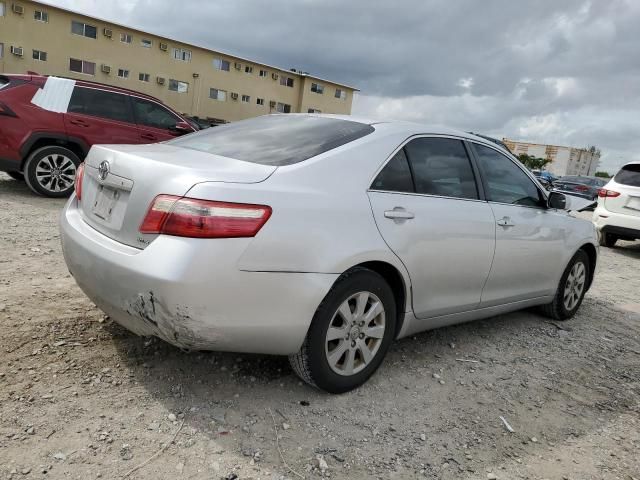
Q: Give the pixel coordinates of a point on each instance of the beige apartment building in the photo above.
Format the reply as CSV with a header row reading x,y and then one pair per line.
x,y
49,40
564,160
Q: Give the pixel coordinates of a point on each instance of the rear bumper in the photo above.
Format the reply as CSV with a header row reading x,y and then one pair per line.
x,y
627,226
189,292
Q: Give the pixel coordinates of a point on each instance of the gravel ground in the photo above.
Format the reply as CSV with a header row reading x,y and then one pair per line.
x,y
82,398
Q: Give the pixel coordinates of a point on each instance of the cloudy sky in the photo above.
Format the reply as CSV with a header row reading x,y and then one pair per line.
x,y
564,72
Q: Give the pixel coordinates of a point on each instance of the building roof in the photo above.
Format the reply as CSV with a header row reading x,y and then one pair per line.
x,y
286,70
507,140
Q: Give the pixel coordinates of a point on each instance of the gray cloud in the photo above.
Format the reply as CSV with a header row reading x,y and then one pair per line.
x,y
544,71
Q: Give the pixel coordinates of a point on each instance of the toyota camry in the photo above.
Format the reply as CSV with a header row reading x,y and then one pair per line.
x,y
322,238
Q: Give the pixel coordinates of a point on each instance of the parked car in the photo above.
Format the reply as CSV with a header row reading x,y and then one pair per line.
x,y
45,147
617,216
545,178
321,238
581,186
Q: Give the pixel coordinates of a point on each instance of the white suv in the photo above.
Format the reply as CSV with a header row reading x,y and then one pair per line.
x,y
617,216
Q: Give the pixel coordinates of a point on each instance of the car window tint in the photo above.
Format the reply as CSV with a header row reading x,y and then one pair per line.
x,y
395,176
276,140
506,182
100,103
441,167
629,175
152,114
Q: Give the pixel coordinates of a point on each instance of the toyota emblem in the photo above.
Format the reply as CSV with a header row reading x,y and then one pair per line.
x,y
103,170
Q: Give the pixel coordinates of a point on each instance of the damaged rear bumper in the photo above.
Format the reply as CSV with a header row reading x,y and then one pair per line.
x,y
190,292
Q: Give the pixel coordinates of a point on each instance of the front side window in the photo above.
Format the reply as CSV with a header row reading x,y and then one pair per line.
x,y
629,175
40,55
154,115
286,81
83,29
100,103
40,16
317,88
505,181
220,64
178,86
82,66
218,94
441,167
395,176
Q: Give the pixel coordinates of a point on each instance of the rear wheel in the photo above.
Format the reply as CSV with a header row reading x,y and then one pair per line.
x,y
608,239
350,333
571,290
16,175
50,171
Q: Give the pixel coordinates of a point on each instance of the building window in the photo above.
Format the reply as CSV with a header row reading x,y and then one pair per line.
x,y
248,69
1,9
313,110
317,88
40,55
287,81
178,86
220,64
217,94
143,77
260,101
39,16
246,98
1,50
341,94
146,43
83,29
283,108
123,73
82,66
126,38
263,73
182,54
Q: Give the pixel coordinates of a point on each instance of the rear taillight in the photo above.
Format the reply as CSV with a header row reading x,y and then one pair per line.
x,y
581,188
77,182
603,193
5,110
191,217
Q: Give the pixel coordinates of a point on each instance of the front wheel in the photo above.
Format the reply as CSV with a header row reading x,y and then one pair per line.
x,y
571,290
350,333
51,171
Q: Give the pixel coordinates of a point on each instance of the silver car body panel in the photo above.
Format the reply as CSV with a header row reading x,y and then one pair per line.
x,y
260,294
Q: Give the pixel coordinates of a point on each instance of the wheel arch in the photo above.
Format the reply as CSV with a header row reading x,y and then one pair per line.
x,y
592,253
45,139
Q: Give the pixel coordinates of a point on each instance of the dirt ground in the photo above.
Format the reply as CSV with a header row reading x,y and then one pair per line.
x,y
81,398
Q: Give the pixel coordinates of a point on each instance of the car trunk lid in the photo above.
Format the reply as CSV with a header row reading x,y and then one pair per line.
x,y
121,181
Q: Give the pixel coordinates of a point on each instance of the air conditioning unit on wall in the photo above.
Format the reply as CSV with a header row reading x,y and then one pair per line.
x,y
237,65
18,9
234,96
274,76
163,46
107,32
18,51
160,80
105,69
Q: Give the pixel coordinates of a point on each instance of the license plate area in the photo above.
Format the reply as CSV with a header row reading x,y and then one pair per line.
x,y
634,203
105,202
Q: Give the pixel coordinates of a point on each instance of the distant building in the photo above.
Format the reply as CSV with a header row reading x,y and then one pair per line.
x,y
198,81
564,160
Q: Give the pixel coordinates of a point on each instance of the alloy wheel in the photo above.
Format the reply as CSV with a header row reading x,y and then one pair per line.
x,y
355,333
55,172
574,286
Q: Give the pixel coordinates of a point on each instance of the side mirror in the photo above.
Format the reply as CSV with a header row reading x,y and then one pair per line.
x,y
181,127
557,200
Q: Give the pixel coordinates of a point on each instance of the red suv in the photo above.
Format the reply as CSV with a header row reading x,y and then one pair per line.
x,y
45,147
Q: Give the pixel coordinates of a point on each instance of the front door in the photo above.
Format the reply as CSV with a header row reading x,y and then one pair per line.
x,y
426,205
529,236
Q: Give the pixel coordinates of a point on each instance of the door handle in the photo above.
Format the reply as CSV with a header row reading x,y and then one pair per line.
x,y
505,222
79,123
148,136
398,213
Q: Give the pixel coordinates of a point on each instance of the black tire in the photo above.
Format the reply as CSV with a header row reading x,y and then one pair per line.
x,y
557,309
58,187
16,176
311,363
608,240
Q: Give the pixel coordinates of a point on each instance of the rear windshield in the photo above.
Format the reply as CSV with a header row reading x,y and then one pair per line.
x,y
629,175
276,140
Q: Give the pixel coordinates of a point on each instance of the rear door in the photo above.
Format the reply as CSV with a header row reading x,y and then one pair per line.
x,y
428,209
156,123
627,184
100,116
530,238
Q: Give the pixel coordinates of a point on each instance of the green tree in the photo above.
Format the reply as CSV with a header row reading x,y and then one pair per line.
x,y
603,174
533,163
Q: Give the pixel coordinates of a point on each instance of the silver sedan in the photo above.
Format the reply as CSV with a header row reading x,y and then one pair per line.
x,y
323,238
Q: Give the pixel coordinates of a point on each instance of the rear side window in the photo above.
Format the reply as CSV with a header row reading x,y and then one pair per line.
x,y
395,176
100,103
441,167
276,140
629,175
151,114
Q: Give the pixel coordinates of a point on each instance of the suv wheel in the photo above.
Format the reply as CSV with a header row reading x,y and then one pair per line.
x,y
350,333
50,171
